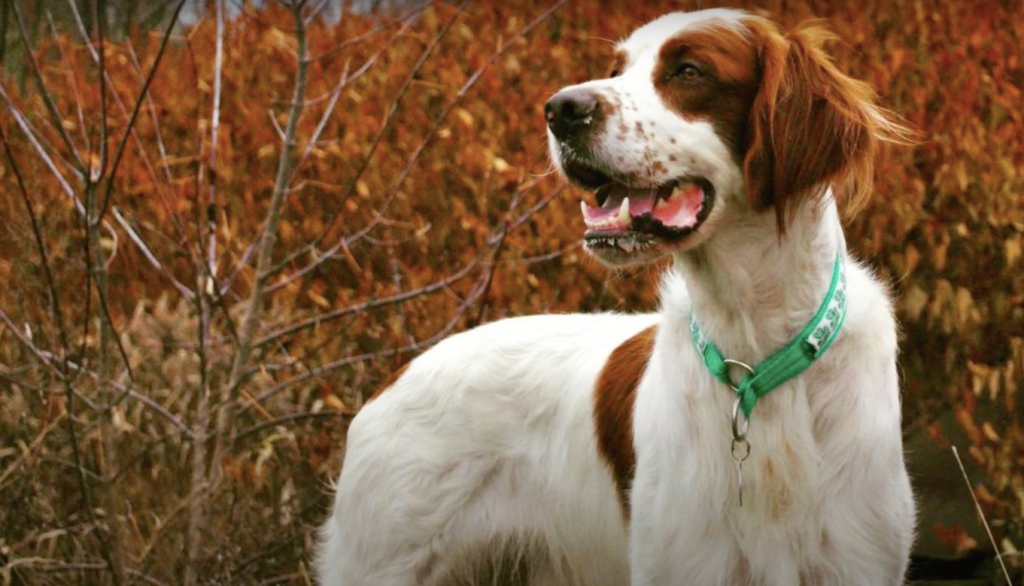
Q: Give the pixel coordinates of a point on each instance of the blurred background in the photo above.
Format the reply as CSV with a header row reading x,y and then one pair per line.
x,y
224,223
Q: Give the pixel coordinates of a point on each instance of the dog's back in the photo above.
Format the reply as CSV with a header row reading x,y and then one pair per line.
x,y
479,465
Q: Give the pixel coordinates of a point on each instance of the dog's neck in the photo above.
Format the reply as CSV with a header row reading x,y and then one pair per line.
x,y
752,291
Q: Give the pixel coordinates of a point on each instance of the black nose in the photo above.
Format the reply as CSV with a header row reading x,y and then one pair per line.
x,y
570,112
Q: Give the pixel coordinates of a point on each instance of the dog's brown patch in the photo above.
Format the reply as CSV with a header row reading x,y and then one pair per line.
x,y
614,397
391,380
725,90
793,119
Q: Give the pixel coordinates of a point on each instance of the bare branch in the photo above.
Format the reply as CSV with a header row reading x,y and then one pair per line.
x,y
129,392
318,371
411,163
277,127
315,11
218,73
369,304
375,142
37,233
55,310
324,118
206,285
148,253
73,82
157,130
135,111
94,174
26,128
402,19
284,419
51,106
541,258
269,236
134,132
26,452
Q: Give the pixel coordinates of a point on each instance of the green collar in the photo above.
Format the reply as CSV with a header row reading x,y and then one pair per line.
x,y
790,361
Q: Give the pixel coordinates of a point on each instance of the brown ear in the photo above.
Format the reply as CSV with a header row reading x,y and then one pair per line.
x,y
810,124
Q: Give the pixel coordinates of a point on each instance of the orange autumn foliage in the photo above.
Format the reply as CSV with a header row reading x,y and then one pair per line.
x,y
457,197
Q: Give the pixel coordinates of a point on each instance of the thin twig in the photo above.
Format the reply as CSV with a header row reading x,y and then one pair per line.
x,y
163,522
266,247
148,253
369,304
37,233
51,106
475,293
26,128
110,540
72,81
431,132
374,143
205,286
981,515
48,565
315,11
161,147
119,152
368,356
541,258
490,274
126,391
134,130
27,451
55,310
48,359
401,19
218,74
324,118
291,418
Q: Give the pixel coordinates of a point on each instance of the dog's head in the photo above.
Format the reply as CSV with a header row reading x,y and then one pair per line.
x,y
706,119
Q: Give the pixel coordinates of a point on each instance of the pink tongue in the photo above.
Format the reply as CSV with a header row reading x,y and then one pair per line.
x,y
681,211
607,216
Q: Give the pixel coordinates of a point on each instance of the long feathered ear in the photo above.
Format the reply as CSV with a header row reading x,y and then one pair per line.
x,y
810,125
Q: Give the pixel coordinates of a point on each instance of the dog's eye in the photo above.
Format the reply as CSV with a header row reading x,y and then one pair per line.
x,y
687,72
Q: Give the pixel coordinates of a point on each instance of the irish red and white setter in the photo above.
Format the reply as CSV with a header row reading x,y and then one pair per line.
x,y
593,450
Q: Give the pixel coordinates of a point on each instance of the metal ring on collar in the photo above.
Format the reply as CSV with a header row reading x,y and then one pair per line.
x,y
743,365
740,450
739,433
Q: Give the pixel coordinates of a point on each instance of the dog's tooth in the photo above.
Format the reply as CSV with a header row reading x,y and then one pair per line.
x,y
583,207
658,202
624,211
627,245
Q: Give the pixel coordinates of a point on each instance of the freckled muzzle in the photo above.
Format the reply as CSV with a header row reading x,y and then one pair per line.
x,y
632,215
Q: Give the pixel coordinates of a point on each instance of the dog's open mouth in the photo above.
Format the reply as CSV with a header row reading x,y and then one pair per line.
x,y
633,218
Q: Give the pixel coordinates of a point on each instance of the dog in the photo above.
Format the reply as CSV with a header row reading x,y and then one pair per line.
x,y
746,434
